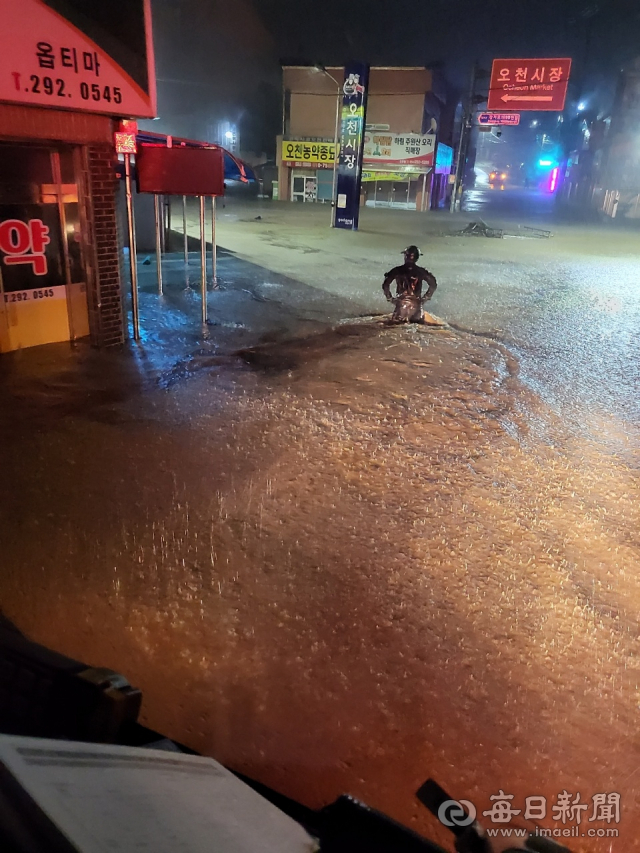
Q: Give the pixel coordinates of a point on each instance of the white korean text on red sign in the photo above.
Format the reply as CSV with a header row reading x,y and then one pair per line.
x,y
95,57
529,84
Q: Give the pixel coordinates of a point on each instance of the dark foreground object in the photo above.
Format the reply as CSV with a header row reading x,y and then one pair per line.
x,y
44,694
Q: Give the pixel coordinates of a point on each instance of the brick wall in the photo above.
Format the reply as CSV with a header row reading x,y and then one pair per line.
x,y
105,291
20,122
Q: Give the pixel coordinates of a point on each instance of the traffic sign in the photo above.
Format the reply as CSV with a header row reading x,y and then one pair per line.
x,y
529,84
498,118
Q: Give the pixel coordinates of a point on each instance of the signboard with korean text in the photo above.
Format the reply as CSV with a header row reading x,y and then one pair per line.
x,y
399,149
395,177
72,54
495,119
34,306
529,84
354,115
299,152
31,252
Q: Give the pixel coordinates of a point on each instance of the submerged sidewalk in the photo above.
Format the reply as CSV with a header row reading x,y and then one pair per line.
x,y
247,306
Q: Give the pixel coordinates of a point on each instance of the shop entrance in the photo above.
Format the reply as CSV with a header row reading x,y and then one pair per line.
x,y
407,191
304,187
43,295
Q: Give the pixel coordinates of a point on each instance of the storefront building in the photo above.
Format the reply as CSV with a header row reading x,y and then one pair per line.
x,y
603,171
61,92
400,139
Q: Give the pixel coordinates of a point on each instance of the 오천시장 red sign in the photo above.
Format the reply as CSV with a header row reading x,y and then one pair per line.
x,y
528,84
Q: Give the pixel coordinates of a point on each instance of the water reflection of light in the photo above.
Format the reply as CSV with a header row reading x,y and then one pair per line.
x,y
517,541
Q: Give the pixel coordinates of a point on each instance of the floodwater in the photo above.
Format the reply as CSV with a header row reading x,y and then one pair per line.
x,y
349,561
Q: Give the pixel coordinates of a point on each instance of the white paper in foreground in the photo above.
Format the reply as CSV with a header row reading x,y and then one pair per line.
x,y
107,799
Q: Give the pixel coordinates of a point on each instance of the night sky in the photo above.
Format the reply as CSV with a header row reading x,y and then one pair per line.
x,y
599,36
220,61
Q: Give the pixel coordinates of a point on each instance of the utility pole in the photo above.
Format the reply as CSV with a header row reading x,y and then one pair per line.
x,y
324,71
465,134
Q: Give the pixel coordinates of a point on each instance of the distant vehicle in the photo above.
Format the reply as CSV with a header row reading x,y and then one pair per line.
x,y
498,178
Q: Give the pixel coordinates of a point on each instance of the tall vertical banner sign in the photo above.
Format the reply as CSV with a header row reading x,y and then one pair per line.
x,y
354,115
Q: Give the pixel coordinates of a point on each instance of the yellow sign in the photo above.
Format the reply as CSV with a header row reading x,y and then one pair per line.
x,y
401,177
299,151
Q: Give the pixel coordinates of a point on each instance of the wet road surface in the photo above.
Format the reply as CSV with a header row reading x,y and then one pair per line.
x,y
509,202
363,557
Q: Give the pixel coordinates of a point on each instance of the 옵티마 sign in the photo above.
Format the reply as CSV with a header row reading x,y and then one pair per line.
x,y
94,57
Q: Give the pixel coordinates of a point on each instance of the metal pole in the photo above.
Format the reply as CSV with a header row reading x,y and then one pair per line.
x,y
467,114
165,223
187,285
184,230
156,205
214,251
423,206
335,160
55,162
133,257
203,263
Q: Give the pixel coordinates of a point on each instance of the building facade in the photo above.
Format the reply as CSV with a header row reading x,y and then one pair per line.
x,y
400,142
66,76
603,173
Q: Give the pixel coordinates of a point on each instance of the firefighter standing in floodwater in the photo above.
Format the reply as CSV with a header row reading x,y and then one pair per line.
x,y
409,277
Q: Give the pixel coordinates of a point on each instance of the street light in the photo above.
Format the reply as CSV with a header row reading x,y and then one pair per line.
x,y
324,71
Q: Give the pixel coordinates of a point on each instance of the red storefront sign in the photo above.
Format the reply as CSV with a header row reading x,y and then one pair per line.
x,y
88,56
180,171
529,84
24,243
